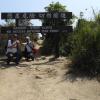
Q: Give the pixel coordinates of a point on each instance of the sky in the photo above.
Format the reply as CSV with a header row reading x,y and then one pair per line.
x,y
75,6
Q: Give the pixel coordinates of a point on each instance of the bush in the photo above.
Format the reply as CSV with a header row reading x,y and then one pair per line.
x,y
85,45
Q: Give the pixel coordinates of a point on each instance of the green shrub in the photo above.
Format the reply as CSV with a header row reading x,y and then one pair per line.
x,y
85,45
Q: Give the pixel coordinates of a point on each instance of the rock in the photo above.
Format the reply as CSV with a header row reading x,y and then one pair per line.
x,y
43,57
38,77
21,73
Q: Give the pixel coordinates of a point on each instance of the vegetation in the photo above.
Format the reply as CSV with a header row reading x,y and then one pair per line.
x,y
50,46
85,44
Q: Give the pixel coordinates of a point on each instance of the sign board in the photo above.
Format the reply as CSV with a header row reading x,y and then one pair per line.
x,y
37,15
36,29
23,22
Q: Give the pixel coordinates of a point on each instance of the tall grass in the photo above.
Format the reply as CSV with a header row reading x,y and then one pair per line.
x,y
85,43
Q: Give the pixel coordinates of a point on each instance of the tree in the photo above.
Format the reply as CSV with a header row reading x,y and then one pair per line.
x,y
55,43
9,22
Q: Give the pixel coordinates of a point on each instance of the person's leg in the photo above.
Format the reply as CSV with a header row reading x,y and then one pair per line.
x,y
36,54
27,56
8,58
8,61
17,55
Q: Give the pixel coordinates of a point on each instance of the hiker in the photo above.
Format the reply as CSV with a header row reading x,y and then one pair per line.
x,y
28,52
12,49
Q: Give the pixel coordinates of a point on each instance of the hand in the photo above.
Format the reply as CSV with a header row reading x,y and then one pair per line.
x,y
18,41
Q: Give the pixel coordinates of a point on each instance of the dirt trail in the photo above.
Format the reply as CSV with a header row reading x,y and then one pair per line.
x,y
43,80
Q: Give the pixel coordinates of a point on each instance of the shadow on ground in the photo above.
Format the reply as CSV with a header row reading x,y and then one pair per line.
x,y
3,64
74,75
51,61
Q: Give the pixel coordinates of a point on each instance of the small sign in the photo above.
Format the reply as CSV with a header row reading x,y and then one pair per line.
x,y
22,22
37,15
36,29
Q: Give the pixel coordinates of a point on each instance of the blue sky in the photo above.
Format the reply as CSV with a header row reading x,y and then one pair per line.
x,y
75,6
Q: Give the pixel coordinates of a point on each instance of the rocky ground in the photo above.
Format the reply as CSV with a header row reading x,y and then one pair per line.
x,y
44,80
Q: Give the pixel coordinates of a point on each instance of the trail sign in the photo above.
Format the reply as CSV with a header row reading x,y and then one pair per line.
x,y
37,15
36,29
23,22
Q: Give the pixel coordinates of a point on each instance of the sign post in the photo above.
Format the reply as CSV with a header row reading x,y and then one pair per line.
x,y
21,20
37,15
36,29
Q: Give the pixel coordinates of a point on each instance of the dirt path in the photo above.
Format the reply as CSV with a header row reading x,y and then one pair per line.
x,y
43,80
